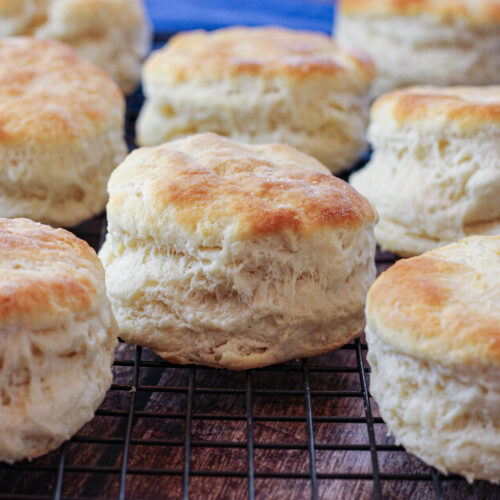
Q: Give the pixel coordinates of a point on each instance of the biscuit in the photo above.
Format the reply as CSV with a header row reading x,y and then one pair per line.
x,y
115,35
259,85
434,177
57,337
234,255
432,42
61,133
433,332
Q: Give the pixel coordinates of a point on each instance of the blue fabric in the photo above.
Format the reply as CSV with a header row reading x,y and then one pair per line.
x,y
177,15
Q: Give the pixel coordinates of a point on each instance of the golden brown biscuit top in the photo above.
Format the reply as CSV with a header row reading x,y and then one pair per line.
x,y
49,94
95,17
46,274
12,7
463,107
104,14
266,51
471,11
212,188
443,305
22,17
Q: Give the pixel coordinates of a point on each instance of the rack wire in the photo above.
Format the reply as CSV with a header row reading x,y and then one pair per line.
x,y
302,429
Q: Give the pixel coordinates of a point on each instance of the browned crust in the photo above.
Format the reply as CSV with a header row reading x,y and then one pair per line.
x,y
466,107
45,273
265,51
49,94
204,180
420,306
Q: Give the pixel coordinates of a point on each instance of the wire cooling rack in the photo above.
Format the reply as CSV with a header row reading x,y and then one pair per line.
x,y
302,429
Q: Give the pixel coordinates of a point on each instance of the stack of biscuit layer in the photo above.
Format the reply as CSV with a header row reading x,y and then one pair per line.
x,y
260,85
61,132
434,176
235,255
113,34
239,254
433,332
432,42
57,337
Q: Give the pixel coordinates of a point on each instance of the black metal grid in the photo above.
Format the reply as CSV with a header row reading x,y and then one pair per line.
x,y
141,393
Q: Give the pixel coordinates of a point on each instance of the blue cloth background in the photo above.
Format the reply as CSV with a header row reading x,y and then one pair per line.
x,y
177,15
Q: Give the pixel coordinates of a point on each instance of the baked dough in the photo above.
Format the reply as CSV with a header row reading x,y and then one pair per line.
x,y
434,176
233,255
115,35
61,133
259,85
57,337
433,332
432,42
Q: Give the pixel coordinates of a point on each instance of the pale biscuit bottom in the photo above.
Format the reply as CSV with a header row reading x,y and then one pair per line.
x,y
421,49
52,381
243,308
330,126
62,186
431,188
448,417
